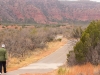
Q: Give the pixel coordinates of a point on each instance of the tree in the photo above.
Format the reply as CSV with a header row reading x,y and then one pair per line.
x,y
88,48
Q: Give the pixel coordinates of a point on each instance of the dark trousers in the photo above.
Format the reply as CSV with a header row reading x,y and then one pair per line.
x,y
3,64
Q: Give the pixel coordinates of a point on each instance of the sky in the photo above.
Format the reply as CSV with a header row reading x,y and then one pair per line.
x,y
91,0
96,0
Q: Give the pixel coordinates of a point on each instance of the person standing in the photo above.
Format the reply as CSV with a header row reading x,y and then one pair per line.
x,y
3,58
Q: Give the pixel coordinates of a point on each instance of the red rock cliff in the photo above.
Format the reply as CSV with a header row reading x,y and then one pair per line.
x,y
47,11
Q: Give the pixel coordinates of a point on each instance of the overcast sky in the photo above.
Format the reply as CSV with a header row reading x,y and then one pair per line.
x,y
96,0
91,0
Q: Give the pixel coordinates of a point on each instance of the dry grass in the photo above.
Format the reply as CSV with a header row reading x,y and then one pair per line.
x,y
87,69
15,63
49,73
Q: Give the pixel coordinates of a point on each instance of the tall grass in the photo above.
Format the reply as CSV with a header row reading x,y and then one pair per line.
x,y
87,69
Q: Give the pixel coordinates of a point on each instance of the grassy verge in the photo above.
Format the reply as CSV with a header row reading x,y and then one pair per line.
x,y
87,69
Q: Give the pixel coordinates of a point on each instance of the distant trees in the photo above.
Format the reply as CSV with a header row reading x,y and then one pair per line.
x,y
88,48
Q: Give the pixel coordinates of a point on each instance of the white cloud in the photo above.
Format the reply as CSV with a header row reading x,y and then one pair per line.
x,y
77,0
96,0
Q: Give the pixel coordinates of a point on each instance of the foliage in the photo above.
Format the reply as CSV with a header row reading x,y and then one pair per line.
x,y
87,49
62,71
77,32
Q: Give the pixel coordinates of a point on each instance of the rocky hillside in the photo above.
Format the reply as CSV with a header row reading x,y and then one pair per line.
x,y
47,11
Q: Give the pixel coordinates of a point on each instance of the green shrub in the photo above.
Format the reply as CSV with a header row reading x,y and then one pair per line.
x,y
61,71
59,39
88,48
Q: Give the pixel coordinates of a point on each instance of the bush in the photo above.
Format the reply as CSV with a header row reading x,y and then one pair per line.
x,y
3,26
88,48
62,71
77,32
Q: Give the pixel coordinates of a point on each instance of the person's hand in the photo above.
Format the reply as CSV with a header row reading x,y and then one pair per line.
x,y
6,62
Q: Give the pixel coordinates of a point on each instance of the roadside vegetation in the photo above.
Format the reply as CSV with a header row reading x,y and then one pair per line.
x,y
86,69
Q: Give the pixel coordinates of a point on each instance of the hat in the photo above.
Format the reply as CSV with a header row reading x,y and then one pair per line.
x,y
3,45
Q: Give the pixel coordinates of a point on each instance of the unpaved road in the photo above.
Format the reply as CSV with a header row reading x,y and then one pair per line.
x,y
48,63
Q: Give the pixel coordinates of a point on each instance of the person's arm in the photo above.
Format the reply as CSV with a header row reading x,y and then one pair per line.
x,y
6,56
